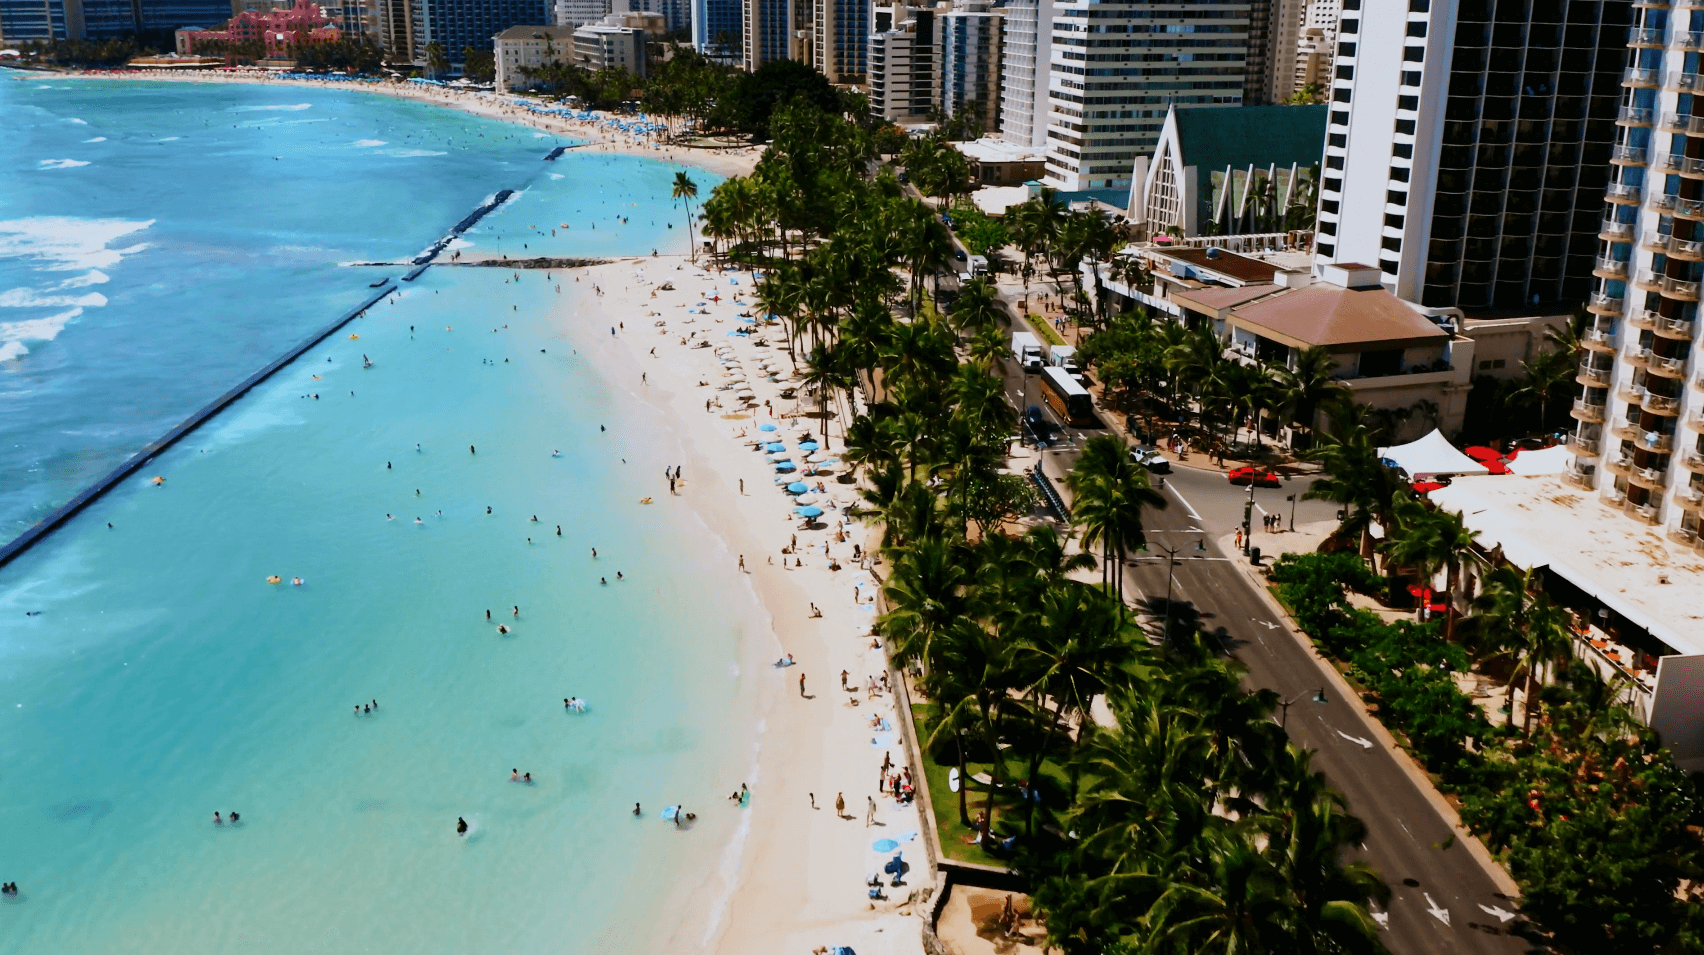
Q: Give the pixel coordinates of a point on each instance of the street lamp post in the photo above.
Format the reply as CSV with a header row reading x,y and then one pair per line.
x,y
1284,706
1248,518
1292,513
1171,574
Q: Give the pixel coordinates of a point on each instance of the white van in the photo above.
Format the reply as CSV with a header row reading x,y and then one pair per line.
x,y
1026,348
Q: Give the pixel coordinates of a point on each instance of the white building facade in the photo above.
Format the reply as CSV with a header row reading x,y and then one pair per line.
x,y
611,45
1117,67
521,48
1025,52
905,67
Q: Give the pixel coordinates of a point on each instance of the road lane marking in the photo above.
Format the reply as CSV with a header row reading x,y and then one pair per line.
x,y
1363,743
1383,918
1436,911
1502,915
1185,503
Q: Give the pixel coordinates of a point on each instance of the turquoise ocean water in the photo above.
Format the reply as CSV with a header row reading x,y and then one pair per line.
x,y
161,678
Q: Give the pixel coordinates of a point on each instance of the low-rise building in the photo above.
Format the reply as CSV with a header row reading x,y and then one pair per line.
x,y
996,162
523,48
610,45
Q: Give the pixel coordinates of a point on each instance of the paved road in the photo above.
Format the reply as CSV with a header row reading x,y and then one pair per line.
x,y
1442,900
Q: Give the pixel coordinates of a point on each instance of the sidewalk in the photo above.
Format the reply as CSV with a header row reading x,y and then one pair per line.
x,y
1382,736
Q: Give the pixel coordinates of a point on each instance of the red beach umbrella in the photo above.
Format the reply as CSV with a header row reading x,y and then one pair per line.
x,y
1480,452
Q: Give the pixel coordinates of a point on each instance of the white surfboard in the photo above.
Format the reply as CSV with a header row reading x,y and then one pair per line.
x,y
953,779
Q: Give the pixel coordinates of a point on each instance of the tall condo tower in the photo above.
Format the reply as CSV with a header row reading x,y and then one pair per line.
x,y
840,39
1638,440
970,62
1026,50
1118,66
716,29
1463,137
769,32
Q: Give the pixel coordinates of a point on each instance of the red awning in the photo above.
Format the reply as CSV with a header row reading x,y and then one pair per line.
x,y
1480,452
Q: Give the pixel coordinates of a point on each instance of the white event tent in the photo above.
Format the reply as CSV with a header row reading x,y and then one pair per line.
x,y
1432,455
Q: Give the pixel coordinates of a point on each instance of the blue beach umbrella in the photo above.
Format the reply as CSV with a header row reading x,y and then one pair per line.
x,y
766,427
798,487
808,446
777,446
884,845
785,466
808,511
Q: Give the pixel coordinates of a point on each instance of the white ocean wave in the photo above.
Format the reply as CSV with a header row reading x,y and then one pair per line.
x,y
44,329
556,175
168,139
368,143
411,153
67,243
62,163
269,109
97,139
32,298
80,122
92,277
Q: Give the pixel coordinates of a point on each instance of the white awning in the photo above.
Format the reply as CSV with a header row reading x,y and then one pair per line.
x,y
1430,455
1543,461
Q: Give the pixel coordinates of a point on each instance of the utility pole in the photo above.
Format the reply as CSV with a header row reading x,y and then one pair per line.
x,y
1248,518
1171,574
1292,513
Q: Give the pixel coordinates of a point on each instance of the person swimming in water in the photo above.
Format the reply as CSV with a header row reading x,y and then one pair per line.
x,y
502,628
514,775
461,826
216,820
487,508
636,809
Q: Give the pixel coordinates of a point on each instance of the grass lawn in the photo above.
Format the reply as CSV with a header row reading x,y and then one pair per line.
x,y
1044,328
1008,807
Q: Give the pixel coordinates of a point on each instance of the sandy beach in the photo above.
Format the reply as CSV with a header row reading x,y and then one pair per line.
x,y
801,880
734,161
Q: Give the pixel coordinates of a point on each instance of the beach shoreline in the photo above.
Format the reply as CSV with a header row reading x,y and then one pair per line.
x,y
799,882
734,161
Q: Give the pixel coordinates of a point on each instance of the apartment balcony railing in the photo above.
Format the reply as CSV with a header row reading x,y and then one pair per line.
x,y
1643,512
1679,328
1692,209
1589,410
1668,367
1690,42
1645,37
1695,420
1643,318
1611,231
1621,193
1631,391
1648,477
1619,462
1691,496
1647,279
1657,441
1598,339
1694,462
1603,304
1628,428
1630,156
1640,76
1678,81
1660,404
1671,122
1688,167
1637,355
1610,268
1580,475
1663,202
1687,250
1678,4
1586,444
1594,376
1683,289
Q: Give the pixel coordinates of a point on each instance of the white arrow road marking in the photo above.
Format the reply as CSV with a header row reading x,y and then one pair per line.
x,y
1503,915
1441,914
1267,624
1383,918
1363,743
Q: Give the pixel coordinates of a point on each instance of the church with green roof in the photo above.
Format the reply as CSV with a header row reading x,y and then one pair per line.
x,y
1238,171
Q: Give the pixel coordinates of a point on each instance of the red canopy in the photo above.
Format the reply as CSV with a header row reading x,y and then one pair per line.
x,y
1496,467
1480,452
1426,487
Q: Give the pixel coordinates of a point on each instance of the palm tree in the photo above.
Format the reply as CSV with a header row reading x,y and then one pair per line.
x,y
1107,505
1306,383
1356,478
687,190
1526,628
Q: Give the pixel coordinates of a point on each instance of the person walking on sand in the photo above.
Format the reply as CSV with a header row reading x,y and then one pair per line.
x,y
802,686
742,563
870,814
840,805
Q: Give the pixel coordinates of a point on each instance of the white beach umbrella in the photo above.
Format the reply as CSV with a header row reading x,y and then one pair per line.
x,y
806,498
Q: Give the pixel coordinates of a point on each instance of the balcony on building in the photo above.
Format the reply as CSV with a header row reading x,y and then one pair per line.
x,y
1682,290
1611,231
1598,339
1621,193
1647,279
1580,475
1693,461
1689,42
1689,209
1643,77
1588,410
1680,82
1593,375
1619,461
1679,329
1625,155
1660,404
1643,318
1666,366
1604,303
1656,442
1609,268
1585,441
1686,250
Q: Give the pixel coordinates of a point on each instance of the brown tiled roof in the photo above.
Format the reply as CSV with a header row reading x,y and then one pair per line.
x,y
1239,267
1328,315
1217,297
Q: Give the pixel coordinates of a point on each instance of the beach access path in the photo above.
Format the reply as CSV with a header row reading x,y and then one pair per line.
x,y
734,161
800,882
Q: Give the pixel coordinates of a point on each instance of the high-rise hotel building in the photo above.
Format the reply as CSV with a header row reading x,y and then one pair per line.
x,y
1117,66
1639,433
1466,142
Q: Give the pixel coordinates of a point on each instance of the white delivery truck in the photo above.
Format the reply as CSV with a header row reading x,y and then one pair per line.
x,y
1065,356
978,265
1026,348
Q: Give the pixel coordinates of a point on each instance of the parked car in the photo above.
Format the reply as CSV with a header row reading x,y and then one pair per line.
x,y
1259,477
1150,459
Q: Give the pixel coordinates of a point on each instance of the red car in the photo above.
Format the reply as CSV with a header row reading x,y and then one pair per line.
x,y
1255,476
